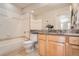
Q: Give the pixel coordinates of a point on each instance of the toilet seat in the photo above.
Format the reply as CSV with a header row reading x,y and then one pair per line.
x,y
28,42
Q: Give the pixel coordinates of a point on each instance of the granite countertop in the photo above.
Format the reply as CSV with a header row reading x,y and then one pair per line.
x,y
54,33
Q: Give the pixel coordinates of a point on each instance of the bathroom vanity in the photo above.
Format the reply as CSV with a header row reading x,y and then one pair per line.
x,y
58,44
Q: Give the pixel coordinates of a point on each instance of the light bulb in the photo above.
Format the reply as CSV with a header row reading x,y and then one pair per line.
x,y
32,11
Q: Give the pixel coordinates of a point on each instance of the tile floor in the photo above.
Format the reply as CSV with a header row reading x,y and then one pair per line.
x,y
22,53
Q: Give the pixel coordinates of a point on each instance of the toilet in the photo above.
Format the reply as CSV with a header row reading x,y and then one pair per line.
x,y
30,44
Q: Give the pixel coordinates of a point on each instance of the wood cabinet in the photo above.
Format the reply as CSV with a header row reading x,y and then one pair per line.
x,y
72,50
56,38
51,45
42,45
74,40
55,49
56,45
41,37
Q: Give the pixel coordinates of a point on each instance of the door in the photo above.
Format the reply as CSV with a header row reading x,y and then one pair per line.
x,y
55,49
73,50
42,47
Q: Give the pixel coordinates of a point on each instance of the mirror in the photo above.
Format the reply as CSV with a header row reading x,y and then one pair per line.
x,y
61,16
58,16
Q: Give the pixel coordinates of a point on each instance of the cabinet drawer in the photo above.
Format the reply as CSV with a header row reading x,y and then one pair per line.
x,y
41,36
56,38
74,40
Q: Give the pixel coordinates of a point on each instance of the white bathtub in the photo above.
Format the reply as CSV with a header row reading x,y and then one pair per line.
x,y
10,45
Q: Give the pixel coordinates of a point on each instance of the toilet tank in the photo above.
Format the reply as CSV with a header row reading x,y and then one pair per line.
x,y
33,37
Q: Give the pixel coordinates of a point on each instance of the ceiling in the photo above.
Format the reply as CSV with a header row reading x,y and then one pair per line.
x,y
21,5
39,8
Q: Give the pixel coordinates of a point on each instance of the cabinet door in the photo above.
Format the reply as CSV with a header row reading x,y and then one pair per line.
x,y
55,49
73,50
42,47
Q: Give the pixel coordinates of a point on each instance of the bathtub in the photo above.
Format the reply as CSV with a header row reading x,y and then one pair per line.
x,y
10,45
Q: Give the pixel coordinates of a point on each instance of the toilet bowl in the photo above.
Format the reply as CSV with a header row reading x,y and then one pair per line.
x,y
29,46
